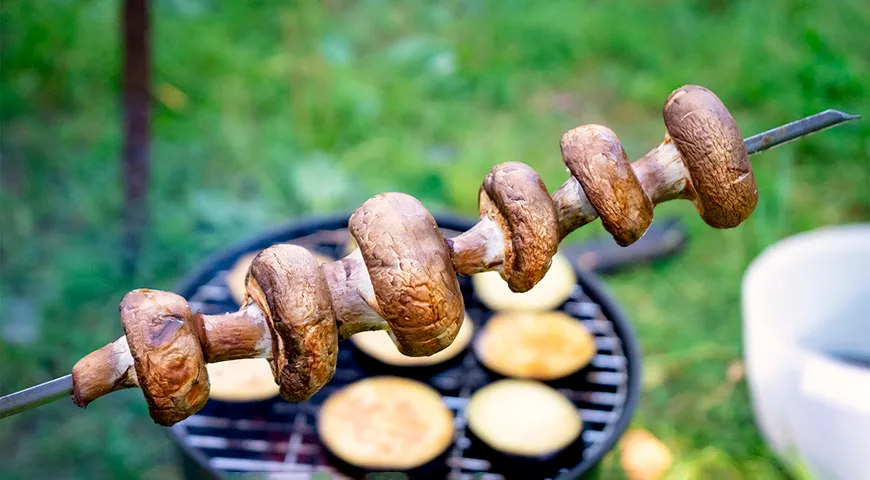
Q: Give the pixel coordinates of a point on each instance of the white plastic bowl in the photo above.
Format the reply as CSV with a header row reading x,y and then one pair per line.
x,y
806,306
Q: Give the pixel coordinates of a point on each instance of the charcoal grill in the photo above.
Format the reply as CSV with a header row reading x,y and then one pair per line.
x,y
278,439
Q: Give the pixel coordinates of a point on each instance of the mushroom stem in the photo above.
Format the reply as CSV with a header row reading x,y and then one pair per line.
x,y
662,173
103,371
480,249
573,207
353,297
236,335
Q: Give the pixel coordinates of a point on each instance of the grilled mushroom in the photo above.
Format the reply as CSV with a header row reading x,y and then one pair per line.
x,y
386,423
553,290
415,287
166,354
288,286
595,157
235,278
720,181
536,345
518,231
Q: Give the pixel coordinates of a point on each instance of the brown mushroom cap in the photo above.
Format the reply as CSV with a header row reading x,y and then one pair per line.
x,y
166,353
514,195
722,183
595,157
415,286
288,285
235,277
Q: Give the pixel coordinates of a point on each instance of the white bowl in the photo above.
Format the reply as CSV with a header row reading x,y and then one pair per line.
x,y
806,307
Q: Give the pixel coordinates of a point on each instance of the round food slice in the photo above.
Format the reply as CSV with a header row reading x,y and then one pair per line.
x,y
378,345
386,423
523,417
246,380
235,278
550,292
535,345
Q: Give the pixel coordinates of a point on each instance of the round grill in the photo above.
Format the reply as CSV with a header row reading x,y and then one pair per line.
x,y
278,438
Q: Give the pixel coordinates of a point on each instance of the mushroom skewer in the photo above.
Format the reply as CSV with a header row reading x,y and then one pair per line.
x,y
403,276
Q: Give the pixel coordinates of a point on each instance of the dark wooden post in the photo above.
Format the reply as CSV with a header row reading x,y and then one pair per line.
x,y
136,108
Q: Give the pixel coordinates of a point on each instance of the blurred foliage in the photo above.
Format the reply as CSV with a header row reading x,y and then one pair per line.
x,y
266,111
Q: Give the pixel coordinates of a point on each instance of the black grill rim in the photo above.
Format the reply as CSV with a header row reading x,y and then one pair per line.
x,y
592,286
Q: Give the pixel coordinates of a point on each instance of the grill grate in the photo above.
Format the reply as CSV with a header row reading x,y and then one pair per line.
x,y
279,439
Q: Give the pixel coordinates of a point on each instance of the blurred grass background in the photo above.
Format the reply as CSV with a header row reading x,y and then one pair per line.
x,y
265,111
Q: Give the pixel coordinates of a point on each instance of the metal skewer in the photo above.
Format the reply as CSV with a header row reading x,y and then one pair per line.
x,y
794,130
60,387
35,396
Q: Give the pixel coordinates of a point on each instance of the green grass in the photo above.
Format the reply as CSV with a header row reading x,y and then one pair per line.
x,y
264,112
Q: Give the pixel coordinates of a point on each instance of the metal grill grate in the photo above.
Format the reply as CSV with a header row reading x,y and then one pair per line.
x,y
279,438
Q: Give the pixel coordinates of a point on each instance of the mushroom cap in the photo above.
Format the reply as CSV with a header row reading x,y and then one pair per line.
x,y
166,353
535,345
386,423
288,285
723,186
550,292
515,197
377,344
595,157
235,277
523,417
415,286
